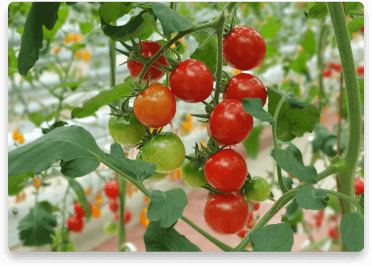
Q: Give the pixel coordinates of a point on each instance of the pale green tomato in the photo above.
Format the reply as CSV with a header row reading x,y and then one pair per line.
x,y
193,177
156,176
257,189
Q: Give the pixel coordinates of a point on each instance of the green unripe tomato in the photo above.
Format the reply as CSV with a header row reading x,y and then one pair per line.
x,y
126,130
257,189
166,150
109,227
193,177
156,176
67,247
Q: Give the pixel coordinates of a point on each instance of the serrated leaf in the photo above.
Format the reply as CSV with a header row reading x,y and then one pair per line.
x,y
311,198
37,228
272,238
166,207
318,11
16,184
352,231
252,143
253,106
158,238
80,193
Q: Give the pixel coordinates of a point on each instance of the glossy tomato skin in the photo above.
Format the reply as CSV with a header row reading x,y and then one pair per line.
x,y
243,86
229,124
149,48
257,189
126,129
166,150
226,213
191,81
226,170
79,211
111,189
75,224
193,177
156,176
155,106
244,48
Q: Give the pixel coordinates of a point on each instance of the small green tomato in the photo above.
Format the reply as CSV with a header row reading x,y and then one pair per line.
x,y
257,189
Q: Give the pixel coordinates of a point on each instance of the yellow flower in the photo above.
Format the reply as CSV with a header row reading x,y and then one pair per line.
x,y
355,34
78,38
236,72
301,49
86,56
174,45
147,221
69,38
147,199
202,143
298,79
144,211
178,172
316,96
286,80
96,213
57,49
189,117
187,126
99,201
21,139
15,134
77,54
263,5
335,114
87,191
322,119
37,182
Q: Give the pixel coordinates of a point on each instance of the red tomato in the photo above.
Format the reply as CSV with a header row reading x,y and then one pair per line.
x,y
229,123
318,220
209,134
79,211
327,73
321,214
226,170
360,71
244,48
358,186
256,206
362,30
226,213
113,205
242,233
333,232
75,223
155,106
336,66
191,81
127,216
149,48
243,86
111,189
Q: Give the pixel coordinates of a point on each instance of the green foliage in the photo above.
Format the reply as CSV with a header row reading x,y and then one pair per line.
x,y
158,239
333,203
299,64
324,141
252,143
317,11
311,198
111,11
309,43
352,231
253,106
16,183
272,238
82,199
37,227
62,16
355,25
85,27
271,27
166,207
290,160
352,6
207,55
54,126
292,209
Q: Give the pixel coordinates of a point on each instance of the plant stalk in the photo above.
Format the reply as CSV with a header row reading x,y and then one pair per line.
x,y
122,194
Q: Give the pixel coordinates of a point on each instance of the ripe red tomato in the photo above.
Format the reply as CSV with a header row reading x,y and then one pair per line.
x,y
111,189
336,66
75,223
155,106
327,73
226,213
127,216
333,233
358,186
243,86
256,206
229,123
226,170
362,30
191,81
79,211
149,48
113,205
360,71
242,233
244,48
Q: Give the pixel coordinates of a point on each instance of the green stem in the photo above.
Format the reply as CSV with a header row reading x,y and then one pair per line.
x,y
112,45
319,55
316,244
282,186
64,212
121,231
347,198
218,75
346,170
330,170
215,241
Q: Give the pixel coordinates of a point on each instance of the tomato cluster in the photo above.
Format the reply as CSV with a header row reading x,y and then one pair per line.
x,y
75,223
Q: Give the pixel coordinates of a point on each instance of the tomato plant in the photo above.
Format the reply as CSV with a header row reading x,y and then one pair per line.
x,y
149,49
156,176
244,48
193,177
111,189
126,129
75,224
257,189
226,213
155,106
166,150
229,124
226,170
191,81
79,211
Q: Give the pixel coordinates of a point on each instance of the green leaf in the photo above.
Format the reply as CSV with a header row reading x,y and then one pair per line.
x,y
170,20
271,27
311,198
252,143
41,13
62,16
309,43
103,98
295,122
299,64
37,227
352,231
349,6
333,203
317,11
253,106
355,25
111,11
82,199
72,144
36,117
294,220
207,55
85,27
288,182
54,126
292,209
15,182
158,238
324,141
46,206
290,160
272,238
167,207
